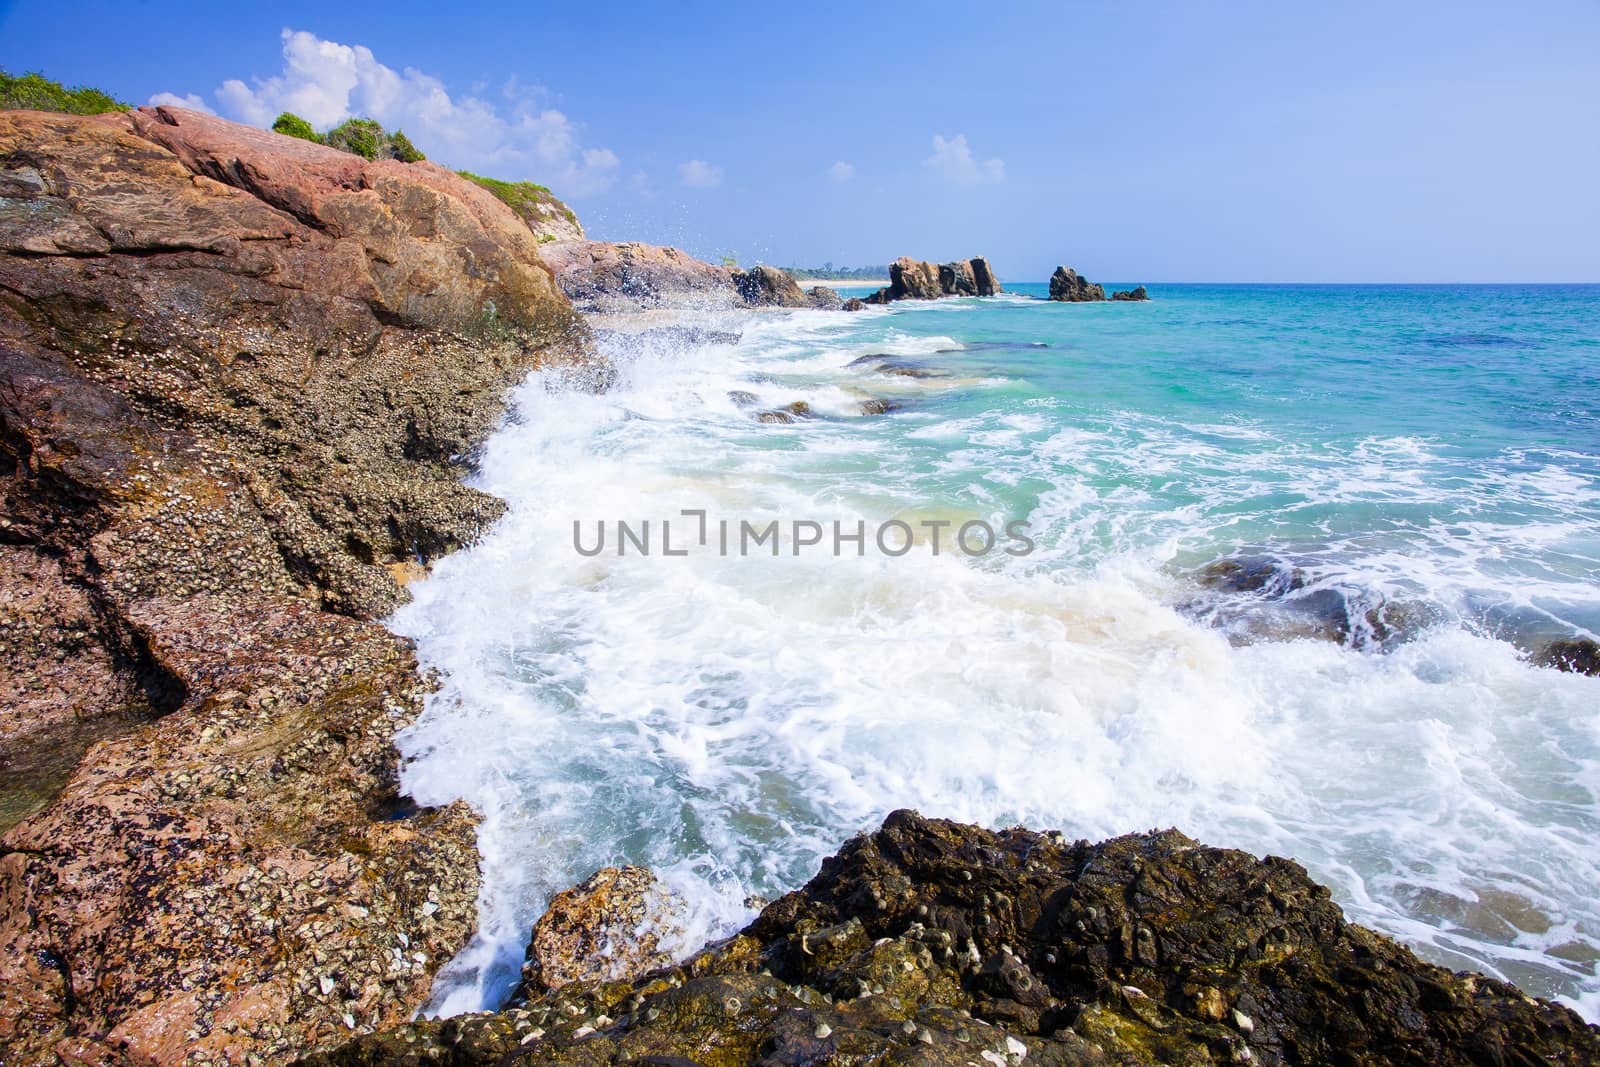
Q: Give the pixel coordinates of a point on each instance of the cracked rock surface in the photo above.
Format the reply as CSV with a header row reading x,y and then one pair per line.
x,y
240,378
931,942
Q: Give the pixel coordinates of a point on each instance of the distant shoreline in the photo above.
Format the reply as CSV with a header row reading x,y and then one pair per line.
x,y
837,283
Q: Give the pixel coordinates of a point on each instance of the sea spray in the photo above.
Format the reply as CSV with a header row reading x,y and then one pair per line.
x,y
729,721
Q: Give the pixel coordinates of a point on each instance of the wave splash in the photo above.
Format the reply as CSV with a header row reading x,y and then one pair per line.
x,y
728,721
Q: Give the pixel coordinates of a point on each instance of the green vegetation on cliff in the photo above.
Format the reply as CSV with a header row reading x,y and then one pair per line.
x,y
34,92
362,137
525,198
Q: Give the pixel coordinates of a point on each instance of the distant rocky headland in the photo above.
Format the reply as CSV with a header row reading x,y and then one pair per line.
x,y
242,375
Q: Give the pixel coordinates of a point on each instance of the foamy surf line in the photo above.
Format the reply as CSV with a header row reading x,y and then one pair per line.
x,y
730,721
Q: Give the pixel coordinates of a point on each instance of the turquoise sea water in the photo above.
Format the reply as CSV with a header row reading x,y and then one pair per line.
x,y
1407,480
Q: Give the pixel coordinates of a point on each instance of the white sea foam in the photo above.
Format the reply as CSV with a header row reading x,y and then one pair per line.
x,y
729,721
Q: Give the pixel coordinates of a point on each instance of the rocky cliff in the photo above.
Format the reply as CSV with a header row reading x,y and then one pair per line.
x,y
912,279
239,376
929,942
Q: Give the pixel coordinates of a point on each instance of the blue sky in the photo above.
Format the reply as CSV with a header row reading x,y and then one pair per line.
x,y
1154,141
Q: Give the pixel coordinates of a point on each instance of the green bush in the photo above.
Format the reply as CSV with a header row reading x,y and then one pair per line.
x,y
358,136
402,149
519,196
361,137
35,92
291,125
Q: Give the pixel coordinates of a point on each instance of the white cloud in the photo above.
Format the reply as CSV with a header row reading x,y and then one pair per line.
x,y
325,83
841,171
191,101
698,174
953,158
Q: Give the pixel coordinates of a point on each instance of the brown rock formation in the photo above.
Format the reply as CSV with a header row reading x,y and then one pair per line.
x,y
1136,293
825,299
1068,286
238,373
911,279
609,929
929,942
764,286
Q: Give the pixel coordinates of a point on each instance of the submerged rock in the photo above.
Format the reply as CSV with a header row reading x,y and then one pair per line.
x,y
786,414
609,929
896,366
1579,656
1136,293
1269,598
933,942
1069,286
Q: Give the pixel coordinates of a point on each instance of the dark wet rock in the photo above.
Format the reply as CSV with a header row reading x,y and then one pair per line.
x,y
1267,598
983,275
609,929
239,373
896,366
786,414
1579,656
743,398
855,303
1136,293
1250,574
764,286
956,279
824,299
877,406
931,942
1069,286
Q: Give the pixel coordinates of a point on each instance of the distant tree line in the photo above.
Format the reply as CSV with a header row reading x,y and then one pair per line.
x,y
829,273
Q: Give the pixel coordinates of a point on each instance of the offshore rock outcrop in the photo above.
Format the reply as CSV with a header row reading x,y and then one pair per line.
x,y
912,279
930,942
1069,286
1138,292
239,374
603,277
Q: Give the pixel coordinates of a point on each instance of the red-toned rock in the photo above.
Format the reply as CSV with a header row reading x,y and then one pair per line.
x,y
600,276
238,373
605,277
